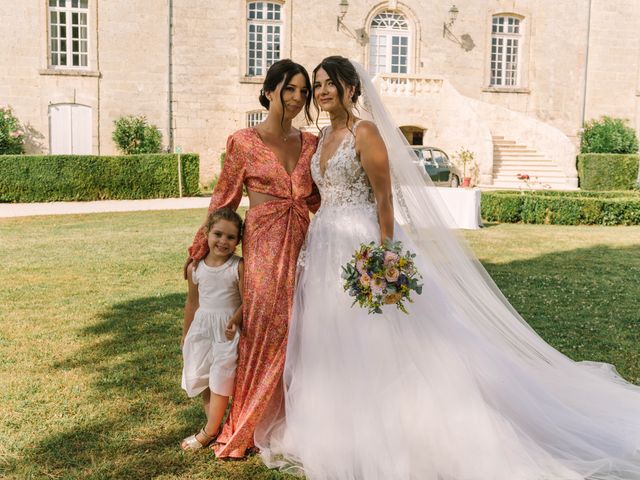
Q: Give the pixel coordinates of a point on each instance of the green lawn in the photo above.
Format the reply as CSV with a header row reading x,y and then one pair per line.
x,y
90,318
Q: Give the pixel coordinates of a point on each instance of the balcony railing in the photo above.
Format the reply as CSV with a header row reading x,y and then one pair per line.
x,y
407,85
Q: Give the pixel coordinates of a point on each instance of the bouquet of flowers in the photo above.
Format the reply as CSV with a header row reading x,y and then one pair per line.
x,y
380,275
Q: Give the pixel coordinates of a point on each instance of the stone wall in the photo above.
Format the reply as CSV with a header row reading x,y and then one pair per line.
x,y
129,62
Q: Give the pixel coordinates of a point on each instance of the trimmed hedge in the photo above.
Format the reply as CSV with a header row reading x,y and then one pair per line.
x,y
608,171
51,178
562,208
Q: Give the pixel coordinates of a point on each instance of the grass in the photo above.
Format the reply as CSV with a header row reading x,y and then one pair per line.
x,y
90,316
578,286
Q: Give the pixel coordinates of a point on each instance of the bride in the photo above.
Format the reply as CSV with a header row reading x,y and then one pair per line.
x,y
461,388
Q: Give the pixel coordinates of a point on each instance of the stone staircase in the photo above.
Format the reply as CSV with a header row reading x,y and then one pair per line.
x,y
511,159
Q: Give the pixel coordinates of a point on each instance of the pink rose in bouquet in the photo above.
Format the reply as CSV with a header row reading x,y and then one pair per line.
x,y
390,257
391,273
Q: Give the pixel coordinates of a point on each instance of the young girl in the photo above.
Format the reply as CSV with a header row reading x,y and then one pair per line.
x,y
212,318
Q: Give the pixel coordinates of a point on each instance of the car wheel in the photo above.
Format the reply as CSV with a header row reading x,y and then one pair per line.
x,y
455,182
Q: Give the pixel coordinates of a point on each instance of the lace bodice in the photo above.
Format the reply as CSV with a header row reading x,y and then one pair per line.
x,y
344,182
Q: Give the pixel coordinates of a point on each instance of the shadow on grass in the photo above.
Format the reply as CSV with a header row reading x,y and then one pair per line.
x,y
584,302
138,411
138,341
133,360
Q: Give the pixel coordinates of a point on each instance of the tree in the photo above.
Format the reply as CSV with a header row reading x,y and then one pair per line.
x,y
608,135
134,135
11,133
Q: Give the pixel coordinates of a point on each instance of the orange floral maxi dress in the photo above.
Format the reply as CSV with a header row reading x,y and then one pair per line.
x,y
273,235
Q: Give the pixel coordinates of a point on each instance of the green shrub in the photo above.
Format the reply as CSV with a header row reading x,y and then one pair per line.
x,y
77,177
133,135
11,134
501,208
562,208
608,135
572,193
608,171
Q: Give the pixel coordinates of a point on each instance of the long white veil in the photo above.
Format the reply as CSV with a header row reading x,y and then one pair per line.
x,y
420,209
608,405
582,416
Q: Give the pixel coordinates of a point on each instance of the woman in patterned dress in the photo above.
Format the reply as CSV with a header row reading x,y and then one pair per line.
x,y
272,160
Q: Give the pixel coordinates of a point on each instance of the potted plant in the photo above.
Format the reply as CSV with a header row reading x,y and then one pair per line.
x,y
466,158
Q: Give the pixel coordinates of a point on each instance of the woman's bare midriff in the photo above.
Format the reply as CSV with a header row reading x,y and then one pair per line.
x,y
257,198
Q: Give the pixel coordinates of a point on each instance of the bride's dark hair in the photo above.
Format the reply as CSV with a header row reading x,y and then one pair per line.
x,y
341,72
283,71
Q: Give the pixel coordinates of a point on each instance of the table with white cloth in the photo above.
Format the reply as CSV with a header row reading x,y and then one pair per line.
x,y
463,205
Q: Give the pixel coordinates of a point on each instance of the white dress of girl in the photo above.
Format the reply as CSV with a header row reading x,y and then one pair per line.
x,y
209,358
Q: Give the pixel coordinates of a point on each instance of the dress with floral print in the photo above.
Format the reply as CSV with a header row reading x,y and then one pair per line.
x,y
274,233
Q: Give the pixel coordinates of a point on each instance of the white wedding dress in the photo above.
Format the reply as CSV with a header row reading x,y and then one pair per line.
x,y
432,395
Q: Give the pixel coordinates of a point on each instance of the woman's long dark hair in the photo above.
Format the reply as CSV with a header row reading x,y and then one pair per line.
x,y
341,72
284,69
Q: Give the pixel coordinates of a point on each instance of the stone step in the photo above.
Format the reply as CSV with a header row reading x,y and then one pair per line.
x,y
525,164
529,171
532,179
509,145
514,149
534,176
521,159
507,186
511,158
523,153
526,168
519,185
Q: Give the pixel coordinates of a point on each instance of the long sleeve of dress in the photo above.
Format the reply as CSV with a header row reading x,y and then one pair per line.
x,y
226,194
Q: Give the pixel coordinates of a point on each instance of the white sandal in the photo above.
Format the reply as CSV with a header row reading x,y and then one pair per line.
x,y
192,443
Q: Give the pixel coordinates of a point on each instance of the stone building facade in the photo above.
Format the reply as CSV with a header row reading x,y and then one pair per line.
x,y
511,80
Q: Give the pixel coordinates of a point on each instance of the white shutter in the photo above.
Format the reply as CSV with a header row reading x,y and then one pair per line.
x,y
70,129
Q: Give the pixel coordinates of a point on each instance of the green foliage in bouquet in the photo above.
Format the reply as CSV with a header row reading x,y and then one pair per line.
x,y
381,275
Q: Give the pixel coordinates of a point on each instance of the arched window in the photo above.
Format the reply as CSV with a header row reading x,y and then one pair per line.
x,y
264,35
389,42
506,44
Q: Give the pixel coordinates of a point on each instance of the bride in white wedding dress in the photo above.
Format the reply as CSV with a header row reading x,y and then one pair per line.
x,y
461,388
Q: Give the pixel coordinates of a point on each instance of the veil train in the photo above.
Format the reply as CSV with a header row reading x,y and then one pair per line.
x,y
479,394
